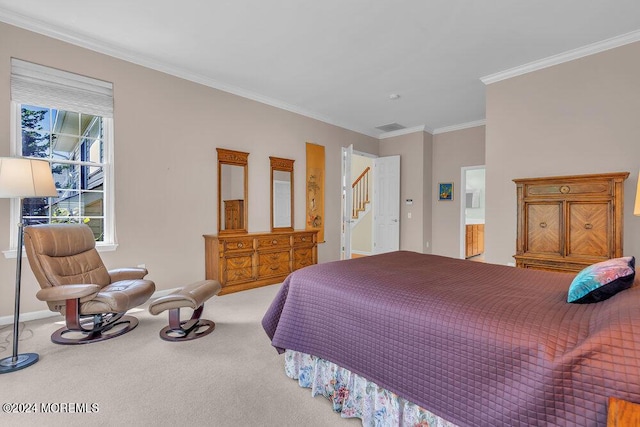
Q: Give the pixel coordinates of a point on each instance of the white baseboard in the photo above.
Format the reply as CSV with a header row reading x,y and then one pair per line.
x,y
25,317
43,314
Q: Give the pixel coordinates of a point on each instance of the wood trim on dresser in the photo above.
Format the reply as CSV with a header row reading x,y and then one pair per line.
x,y
250,260
566,223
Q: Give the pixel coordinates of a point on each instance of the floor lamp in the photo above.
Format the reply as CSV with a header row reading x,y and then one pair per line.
x,y
22,178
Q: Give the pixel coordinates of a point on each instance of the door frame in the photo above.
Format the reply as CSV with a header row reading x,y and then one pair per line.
x,y
345,182
463,205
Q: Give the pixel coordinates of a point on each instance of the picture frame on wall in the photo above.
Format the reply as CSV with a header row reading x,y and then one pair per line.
x,y
445,191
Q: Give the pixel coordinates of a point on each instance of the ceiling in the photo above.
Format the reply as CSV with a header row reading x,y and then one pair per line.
x,y
340,61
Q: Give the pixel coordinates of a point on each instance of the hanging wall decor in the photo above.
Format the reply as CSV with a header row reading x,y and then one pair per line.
x,y
445,191
315,189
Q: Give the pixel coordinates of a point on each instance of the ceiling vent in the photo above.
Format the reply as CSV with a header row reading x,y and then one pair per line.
x,y
390,127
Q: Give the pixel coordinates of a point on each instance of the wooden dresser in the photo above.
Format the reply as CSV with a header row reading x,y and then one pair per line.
x,y
474,240
249,260
566,223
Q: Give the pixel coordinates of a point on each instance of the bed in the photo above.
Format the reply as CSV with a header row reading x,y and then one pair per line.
x,y
468,343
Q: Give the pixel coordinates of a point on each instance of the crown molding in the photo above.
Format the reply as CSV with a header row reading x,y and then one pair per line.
x,y
405,131
436,131
570,55
118,52
460,126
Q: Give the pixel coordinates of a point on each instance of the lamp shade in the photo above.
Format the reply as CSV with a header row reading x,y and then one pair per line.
x,y
636,209
22,177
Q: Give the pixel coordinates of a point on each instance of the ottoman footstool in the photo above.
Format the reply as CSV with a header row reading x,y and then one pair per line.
x,y
191,296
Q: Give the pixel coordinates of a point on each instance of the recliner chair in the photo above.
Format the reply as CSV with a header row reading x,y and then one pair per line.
x,y
75,282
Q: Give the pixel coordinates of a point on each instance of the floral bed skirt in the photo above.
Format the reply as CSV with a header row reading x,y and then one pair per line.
x,y
355,397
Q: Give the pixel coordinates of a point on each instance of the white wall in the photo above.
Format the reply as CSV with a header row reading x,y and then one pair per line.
x,y
411,148
452,151
166,133
580,117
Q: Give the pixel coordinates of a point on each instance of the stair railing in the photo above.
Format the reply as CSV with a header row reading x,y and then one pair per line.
x,y
360,192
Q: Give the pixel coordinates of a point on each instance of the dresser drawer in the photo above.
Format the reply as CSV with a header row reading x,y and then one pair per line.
x,y
301,239
273,257
273,241
550,264
237,268
238,275
242,244
302,257
278,269
598,188
240,261
273,264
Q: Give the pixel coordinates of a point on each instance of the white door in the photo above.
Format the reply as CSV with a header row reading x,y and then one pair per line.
x,y
345,235
386,204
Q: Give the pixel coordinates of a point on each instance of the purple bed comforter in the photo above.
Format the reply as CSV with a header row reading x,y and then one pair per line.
x,y
477,344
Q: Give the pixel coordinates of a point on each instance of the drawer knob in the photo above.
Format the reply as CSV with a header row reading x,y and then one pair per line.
x,y
274,242
588,226
565,189
240,244
543,225
304,239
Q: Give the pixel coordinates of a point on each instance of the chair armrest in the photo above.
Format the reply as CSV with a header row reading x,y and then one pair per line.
x,y
65,292
132,273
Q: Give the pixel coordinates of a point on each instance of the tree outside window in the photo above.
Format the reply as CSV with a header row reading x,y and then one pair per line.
x,y
73,144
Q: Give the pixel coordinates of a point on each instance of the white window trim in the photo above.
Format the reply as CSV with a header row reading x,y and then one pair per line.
x,y
100,247
109,243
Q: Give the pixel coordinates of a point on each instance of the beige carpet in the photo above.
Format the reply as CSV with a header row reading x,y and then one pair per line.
x,y
233,377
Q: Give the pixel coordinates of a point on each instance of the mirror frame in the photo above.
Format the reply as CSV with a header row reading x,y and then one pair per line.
x,y
234,158
284,165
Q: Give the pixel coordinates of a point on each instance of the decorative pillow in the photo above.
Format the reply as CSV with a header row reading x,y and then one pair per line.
x,y
603,280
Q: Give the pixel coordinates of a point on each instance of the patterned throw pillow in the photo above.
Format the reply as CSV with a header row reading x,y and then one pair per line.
x,y
600,281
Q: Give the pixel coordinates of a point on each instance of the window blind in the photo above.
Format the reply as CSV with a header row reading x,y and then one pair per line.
x,y
38,85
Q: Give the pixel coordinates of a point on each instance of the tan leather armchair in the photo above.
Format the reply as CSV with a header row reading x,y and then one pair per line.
x,y
75,282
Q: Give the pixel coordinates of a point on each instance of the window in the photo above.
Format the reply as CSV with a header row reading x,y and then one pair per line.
x,y
66,119
73,144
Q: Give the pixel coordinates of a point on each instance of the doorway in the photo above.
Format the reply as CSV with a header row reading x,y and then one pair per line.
x,y
472,213
362,205
370,204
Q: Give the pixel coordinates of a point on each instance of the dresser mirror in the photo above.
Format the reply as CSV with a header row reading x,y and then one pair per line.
x,y
233,191
281,194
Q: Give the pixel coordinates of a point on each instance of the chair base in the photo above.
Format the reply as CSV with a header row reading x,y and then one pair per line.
x,y
188,330
97,334
21,361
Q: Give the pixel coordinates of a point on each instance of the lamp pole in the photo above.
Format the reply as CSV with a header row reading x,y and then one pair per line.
x,y
21,178
18,361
